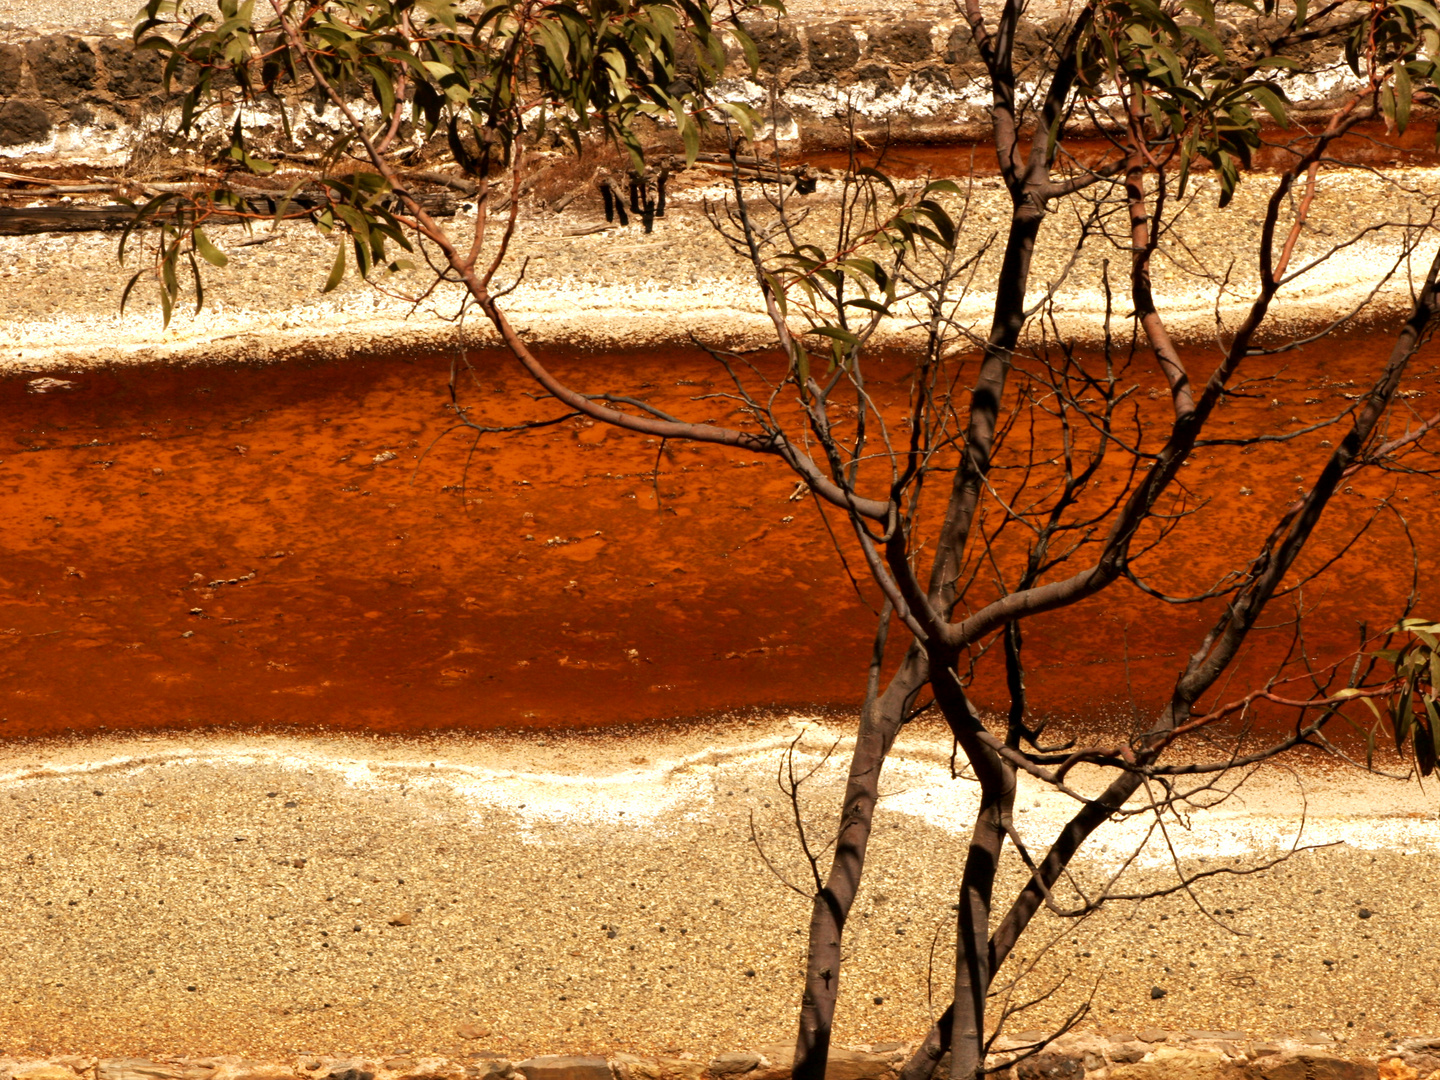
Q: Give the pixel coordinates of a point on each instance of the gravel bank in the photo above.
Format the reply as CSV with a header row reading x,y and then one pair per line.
x,y
110,15
60,294
271,895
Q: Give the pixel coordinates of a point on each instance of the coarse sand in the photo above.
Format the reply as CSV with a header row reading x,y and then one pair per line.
x,y
621,288
280,894
101,16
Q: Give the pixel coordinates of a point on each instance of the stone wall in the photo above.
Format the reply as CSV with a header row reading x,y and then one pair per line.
x,y
911,80
1145,1055
66,84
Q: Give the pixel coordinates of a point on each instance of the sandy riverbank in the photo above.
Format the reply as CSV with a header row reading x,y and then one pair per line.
x,y
241,894
621,288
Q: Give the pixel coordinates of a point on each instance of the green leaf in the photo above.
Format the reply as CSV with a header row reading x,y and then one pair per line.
x,y
384,88
1404,719
836,333
747,46
943,225
1268,95
555,44
167,304
125,296
688,131
168,276
742,114
362,256
427,105
1187,151
777,291
208,251
1425,11
199,283
869,268
1229,177
337,269
1277,62
876,175
1404,94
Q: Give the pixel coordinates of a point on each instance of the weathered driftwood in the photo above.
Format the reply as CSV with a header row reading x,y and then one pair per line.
x,y
30,220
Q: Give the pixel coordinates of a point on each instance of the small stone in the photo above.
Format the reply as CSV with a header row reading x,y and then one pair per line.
x,y
11,59
403,919
907,41
1127,1053
1311,1066
1364,913
144,1069
63,66
1396,1069
733,1064
21,123
1153,1035
471,1031
833,48
1157,992
564,1067
1050,1065
845,1064
43,1070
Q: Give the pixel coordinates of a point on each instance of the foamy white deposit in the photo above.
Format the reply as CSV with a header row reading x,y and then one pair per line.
x,y
533,782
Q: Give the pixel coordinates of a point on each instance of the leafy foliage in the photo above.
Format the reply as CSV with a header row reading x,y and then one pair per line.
x,y
399,71
1413,711
1170,64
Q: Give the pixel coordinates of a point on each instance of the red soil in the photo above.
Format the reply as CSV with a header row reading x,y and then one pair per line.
x,y
215,546
1367,144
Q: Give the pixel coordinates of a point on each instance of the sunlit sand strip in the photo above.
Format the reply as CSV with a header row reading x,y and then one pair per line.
x,y
584,296
653,779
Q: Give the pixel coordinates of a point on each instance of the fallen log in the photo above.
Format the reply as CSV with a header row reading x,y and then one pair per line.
x,y
32,220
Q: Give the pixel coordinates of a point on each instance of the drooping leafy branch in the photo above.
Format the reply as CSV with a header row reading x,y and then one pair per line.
x,y
400,74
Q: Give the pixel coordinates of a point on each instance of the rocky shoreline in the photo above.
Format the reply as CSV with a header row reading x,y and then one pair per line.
x,y
1150,1054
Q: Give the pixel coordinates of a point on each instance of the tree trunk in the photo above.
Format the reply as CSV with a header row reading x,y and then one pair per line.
x,y
972,952
880,723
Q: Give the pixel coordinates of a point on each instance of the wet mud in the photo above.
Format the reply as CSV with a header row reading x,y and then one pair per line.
x,y
299,545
